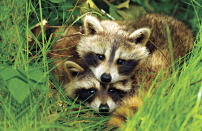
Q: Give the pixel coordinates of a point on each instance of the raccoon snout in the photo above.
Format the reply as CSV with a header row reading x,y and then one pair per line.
x,y
106,78
103,108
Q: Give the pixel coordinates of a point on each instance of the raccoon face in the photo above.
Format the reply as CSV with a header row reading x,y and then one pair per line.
x,y
103,98
109,51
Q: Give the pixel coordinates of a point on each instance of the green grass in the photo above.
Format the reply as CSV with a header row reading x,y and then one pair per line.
x,y
27,102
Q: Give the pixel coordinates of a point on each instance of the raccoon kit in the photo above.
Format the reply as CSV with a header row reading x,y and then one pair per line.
x,y
116,50
122,98
103,98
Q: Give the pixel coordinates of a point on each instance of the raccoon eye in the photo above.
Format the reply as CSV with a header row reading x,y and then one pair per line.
x,y
111,90
121,61
92,91
100,56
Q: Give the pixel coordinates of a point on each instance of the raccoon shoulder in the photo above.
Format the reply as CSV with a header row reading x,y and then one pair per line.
x,y
64,49
125,111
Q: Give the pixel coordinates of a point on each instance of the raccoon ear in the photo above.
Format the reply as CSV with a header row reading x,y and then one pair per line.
x,y
70,67
140,36
92,25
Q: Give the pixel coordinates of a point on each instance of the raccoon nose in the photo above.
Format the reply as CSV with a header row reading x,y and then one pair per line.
x,y
104,108
106,78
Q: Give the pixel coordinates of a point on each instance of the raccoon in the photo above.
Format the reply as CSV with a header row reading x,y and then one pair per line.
x,y
116,50
121,100
103,98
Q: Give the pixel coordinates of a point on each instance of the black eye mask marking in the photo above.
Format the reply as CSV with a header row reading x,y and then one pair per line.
x,y
86,95
116,94
91,59
127,67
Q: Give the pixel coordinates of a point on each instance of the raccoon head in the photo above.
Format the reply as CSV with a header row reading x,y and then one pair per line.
x,y
111,52
102,98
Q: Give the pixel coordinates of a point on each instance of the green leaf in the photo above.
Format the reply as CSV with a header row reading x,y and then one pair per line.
x,y
33,78
18,89
57,1
36,74
6,72
132,13
113,13
123,5
66,5
141,2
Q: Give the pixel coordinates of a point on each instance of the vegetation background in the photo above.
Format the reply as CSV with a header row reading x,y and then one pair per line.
x,y
28,103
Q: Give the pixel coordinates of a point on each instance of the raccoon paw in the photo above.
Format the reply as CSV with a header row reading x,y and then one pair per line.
x,y
126,111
